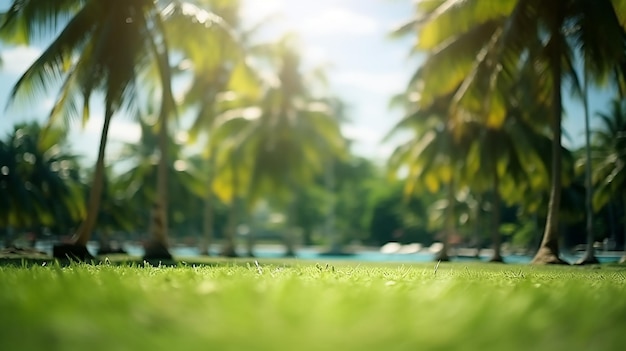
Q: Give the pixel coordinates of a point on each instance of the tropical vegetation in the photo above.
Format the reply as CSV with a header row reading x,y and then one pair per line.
x,y
241,138
478,53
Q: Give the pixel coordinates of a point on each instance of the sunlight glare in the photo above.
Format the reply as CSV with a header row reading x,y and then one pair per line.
x,y
305,19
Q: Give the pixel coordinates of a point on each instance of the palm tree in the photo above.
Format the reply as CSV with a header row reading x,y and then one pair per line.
x,y
217,75
512,157
477,43
495,162
116,214
589,257
433,159
288,137
100,48
39,181
212,70
609,176
140,180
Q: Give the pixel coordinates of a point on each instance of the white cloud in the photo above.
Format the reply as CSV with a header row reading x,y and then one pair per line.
x,y
337,21
16,60
387,83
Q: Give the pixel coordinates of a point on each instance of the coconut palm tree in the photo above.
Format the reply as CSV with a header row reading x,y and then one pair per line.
x,y
589,256
496,163
39,181
178,20
509,162
609,158
474,44
218,76
433,160
505,165
140,179
100,48
288,137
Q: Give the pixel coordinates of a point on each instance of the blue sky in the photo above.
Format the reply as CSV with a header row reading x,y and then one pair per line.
x,y
366,69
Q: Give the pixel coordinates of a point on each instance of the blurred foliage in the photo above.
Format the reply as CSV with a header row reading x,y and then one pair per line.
x,y
262,130
39,179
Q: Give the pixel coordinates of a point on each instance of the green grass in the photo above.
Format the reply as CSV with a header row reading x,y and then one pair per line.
x,y
312,307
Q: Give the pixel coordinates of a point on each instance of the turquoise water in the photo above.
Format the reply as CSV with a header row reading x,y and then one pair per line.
x,y
313,254
367,255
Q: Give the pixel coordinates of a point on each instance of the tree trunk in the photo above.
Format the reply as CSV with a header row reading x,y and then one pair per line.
x,y
289,235
208,219
623,259
590,255
336,246
548,252
611,214
207,226
228,247
78,248
443,255
307,236
158,247
477,226
289,240
250,244
495,220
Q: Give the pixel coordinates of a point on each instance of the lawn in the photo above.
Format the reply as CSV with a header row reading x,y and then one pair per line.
x,y
296,305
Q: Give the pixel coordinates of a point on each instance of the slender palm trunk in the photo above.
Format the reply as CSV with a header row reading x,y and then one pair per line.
x,y
623,259
307,236
611,214
477,228
590,255
329,225
160,232
443,255
95,194
207,226
158,248
208,218
548,252
290,231
250,242
78,248
228,248
495,220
